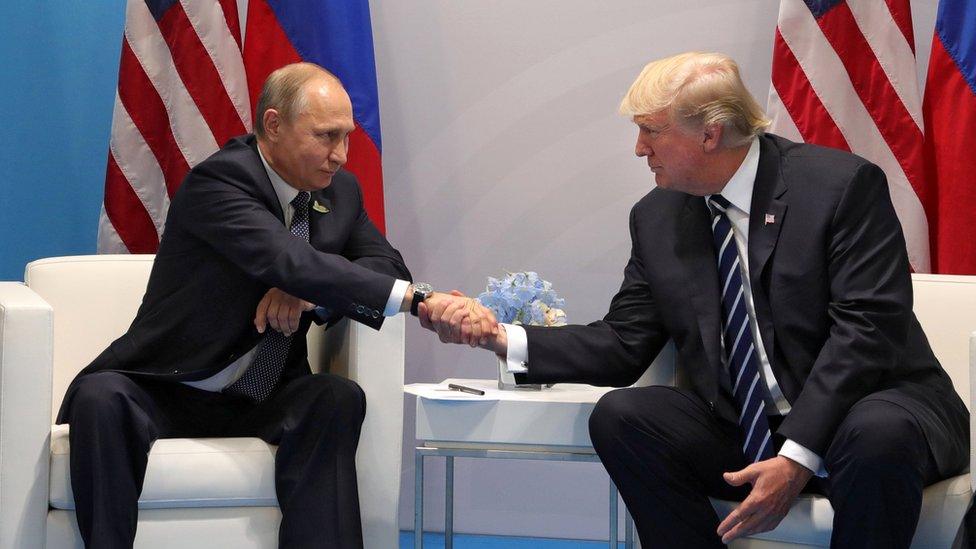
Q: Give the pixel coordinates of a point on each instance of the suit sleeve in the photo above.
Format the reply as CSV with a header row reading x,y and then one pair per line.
x,y
614,351
239,226
870,311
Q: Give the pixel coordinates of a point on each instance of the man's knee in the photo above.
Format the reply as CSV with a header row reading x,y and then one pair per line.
x,y
341,394
880,438
101,396
617,413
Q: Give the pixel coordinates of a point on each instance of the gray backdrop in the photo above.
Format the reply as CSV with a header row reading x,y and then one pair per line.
x,y
503,151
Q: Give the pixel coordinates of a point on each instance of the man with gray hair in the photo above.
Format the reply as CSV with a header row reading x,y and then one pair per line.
x,y
780,272
257,234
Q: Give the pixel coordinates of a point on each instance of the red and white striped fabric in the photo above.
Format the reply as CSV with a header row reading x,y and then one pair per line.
x,y
844,76
182,93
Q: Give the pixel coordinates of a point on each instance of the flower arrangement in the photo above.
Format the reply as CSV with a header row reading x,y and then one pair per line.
x,y
524,298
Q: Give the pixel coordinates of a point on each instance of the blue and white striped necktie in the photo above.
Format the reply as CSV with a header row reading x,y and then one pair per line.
x,y
261,377
740,348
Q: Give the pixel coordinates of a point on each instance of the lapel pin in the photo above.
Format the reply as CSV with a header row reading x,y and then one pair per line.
x,y
770,219
322,209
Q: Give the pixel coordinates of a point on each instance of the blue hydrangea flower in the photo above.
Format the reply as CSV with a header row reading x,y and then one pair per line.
x,y
524,298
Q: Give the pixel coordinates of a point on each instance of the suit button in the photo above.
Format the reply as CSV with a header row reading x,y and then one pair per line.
x,y
360,309
176,371
376,314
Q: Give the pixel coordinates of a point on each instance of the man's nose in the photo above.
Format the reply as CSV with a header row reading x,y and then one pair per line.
x,y
642,149
340,151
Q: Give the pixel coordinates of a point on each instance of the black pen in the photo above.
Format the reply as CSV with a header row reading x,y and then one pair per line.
x,y
463,389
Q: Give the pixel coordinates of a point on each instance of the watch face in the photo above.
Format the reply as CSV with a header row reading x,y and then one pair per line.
x,y
423,287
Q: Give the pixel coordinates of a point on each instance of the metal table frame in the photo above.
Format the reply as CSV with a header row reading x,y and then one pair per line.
x,y
432,449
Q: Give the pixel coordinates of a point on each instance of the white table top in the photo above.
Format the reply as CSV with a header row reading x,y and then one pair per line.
x,y
549,418
562,392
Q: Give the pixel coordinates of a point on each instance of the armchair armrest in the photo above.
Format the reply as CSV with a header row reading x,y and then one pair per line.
x,y
26,362
375,360
662,371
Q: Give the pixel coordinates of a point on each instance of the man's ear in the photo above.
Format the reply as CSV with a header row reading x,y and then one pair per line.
x,y
272,124
712,137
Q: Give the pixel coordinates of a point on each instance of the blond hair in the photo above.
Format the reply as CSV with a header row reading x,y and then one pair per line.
x,y
284,91
698,89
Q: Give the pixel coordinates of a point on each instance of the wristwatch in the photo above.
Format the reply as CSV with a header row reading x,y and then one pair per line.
x,y
421,291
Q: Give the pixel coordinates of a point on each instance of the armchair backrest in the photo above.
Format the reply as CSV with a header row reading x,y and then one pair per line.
x,y
946,307
94,299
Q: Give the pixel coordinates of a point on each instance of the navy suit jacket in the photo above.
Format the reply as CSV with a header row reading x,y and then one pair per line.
x,y
224,245
833,296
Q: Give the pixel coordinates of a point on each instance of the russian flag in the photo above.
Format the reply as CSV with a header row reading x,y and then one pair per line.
x,y
950,139
337,35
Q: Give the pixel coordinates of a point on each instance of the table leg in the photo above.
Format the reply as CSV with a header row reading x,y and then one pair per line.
x,y
449,503
418,501
613,515
628,531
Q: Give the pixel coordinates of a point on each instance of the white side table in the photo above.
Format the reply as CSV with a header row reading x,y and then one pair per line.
x,y
537,425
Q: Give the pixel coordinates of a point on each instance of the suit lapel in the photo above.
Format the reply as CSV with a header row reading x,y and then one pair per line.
x,y
765,221
696,250
264,187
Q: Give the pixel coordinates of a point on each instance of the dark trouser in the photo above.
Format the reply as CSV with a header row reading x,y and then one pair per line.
x,y
315,421
666,452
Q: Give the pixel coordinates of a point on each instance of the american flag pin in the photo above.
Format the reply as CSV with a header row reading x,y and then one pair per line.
x,y
770,219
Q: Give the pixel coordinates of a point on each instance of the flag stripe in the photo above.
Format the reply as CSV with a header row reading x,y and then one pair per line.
x,y
892,52
233,21
225,53
189,129
199,76
950,197
802,103
148,113
901,14
121,203
137,162
109,241
898,129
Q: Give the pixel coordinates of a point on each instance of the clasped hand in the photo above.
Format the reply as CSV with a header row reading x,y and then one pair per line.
x,y
281,311
457,318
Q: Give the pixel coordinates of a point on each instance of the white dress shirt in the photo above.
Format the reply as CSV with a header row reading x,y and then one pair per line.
x,y
286,193
738,191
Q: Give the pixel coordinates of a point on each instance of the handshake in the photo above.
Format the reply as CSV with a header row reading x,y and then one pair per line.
x,y
459,319
455,318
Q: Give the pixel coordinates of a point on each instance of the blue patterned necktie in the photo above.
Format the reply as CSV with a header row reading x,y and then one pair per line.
x,y
740,348
260,379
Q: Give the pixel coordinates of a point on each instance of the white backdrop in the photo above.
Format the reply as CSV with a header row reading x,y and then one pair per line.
x,y
502,150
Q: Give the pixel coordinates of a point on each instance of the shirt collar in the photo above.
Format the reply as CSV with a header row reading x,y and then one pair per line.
x,y
286,193
738,191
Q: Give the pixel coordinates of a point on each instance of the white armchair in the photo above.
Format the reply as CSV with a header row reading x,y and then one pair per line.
x,y
213,492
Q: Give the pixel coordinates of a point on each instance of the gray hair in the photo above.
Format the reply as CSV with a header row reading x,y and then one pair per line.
x,y
284,91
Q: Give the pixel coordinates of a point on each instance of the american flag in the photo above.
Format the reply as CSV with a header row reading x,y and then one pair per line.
x,y
189,77
844,76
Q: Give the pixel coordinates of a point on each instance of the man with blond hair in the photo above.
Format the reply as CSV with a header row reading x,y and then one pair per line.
x,y
257,234
780,272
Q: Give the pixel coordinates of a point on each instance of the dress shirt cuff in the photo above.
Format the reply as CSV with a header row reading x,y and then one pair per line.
x,y
396,297
518,349
804,457
322,313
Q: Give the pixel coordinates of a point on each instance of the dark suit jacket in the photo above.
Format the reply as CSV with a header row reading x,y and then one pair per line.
x,y
225,244
832,290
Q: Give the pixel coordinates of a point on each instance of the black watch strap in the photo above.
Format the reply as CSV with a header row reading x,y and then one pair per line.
x,y
421,292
